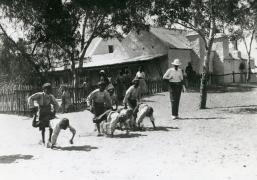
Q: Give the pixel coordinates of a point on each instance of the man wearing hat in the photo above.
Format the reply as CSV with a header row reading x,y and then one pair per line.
x,y
47,107
174,76
99,101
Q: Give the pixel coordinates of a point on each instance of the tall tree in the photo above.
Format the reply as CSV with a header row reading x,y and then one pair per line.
x,y
244,29
205,17
72,25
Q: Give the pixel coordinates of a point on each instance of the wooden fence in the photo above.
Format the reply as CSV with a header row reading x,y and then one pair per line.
x,y
13,99
231,78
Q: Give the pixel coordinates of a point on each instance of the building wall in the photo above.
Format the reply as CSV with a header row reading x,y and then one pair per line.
x,y
143,43
102,47
183,55
221,46
197,44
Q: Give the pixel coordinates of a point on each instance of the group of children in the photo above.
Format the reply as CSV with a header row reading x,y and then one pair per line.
x,y
102,102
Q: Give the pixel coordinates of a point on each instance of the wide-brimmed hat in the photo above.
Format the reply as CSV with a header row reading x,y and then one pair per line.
x,y
176,62
46,85
102,71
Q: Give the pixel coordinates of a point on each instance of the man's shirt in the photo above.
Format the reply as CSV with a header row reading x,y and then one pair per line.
x,y
173,75
55,125
98,96
132,93
43,99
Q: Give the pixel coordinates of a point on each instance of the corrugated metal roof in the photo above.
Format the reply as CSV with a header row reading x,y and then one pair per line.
x,y
102,60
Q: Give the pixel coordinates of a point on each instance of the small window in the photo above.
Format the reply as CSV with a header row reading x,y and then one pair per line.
x,y
110,48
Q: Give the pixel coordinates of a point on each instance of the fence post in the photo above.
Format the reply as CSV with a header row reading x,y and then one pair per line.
x,y
233,76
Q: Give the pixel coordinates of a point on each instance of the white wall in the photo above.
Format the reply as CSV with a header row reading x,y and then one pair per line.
x,y
183,55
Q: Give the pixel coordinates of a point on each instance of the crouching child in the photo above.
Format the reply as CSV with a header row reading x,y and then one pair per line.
x,y
117,119
143,110
57,125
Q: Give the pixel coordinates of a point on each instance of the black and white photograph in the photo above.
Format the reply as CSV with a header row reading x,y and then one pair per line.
x,y
128,89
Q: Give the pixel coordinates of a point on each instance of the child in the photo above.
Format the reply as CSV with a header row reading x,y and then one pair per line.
x,y
142,111
120,118
58,125
99,101
47,107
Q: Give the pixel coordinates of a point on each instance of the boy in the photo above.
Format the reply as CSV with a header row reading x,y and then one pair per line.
x,y
122,117
142,111
99,101
45,101
58,125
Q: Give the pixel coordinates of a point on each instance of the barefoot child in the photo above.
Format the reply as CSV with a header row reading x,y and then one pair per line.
x,y
99,101
57,125
47,107
142,111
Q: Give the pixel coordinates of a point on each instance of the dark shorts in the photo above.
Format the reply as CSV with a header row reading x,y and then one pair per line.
x,y
132,103
99,111
45,115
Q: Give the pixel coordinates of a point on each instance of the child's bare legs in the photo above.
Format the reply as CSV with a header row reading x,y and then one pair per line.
x,y
154,127
98,129
43,135
50,134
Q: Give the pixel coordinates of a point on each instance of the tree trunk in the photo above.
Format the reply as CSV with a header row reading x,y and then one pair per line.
x,y
248,76
203,90
74,73
204,81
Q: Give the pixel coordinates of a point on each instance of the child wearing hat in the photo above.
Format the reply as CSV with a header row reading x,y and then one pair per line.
x,y
133,94
174,76
47,107
99,101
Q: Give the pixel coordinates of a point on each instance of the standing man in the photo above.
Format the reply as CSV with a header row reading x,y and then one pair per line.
x,y
175,78
45,101
99,101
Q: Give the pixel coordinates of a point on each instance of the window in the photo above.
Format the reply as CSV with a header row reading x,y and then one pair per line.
x,y
110,48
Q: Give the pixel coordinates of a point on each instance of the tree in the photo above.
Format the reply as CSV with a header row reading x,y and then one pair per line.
x,y
72,25
205,17
244,28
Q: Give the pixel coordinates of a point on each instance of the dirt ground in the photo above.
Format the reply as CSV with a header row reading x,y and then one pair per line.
x,y
217,143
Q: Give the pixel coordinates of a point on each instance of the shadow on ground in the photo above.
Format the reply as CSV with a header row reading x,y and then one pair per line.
x,y
147,100
231,107
223,88
130,135
12,158
160,128
246,110
200,118
76,148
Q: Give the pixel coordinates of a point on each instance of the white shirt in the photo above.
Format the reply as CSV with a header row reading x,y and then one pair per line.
x,y
55,125
173,75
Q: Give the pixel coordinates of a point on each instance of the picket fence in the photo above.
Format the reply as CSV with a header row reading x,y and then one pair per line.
x,y
13,98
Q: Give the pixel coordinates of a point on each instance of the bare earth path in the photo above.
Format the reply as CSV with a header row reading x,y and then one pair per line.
x,y
216,143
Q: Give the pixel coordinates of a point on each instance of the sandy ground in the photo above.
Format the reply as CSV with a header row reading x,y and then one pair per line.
x,y
216,143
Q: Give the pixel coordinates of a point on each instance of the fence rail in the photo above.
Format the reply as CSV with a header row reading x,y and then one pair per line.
x,y
13,99
232,78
